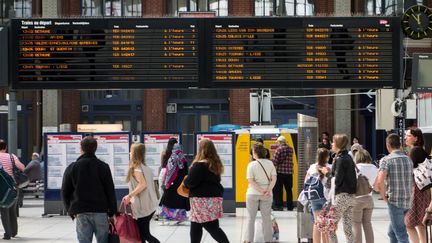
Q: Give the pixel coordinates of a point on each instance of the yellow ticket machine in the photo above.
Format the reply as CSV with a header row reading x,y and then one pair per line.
x,y
247,137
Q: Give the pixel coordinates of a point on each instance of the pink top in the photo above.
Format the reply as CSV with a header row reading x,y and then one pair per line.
x,y
6,162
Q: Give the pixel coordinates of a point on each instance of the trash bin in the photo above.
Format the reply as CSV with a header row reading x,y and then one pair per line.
x,y
304,224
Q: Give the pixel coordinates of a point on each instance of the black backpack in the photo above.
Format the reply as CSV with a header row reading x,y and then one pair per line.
x,y
8,192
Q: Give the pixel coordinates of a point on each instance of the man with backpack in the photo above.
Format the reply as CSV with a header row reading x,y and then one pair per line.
x,y
9,212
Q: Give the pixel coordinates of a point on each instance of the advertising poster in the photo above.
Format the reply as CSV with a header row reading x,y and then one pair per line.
x,y
155,144
62,150
113,149
224,147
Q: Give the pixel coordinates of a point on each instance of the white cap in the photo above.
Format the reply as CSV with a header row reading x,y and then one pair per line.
x,y
281,139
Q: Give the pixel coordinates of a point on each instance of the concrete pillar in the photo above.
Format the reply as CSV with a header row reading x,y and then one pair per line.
x,y
12,122
342,8
383,102
342,104
342,112
51,99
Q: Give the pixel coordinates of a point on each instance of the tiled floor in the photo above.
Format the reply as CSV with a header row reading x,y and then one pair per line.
x,y
37,229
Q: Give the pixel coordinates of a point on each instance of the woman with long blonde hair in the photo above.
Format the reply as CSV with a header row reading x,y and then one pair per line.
x,y
142,193
206,193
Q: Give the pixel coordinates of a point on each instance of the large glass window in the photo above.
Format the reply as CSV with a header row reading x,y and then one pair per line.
x,y
132,7
220,7
389,7
91,7
284,7
114,8
15,9
23,8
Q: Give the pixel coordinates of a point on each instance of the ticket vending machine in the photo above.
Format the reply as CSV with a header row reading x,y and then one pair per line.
x,y
244,140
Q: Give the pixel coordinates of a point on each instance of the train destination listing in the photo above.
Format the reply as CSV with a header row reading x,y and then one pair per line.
x,y
106,51
309,50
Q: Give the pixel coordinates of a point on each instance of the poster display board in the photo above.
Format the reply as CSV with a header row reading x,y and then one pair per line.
x,y
113,149
61,151
224,147
155,144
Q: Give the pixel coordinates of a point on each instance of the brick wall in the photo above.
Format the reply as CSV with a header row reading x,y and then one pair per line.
x,y
240,7
154,8
325,111
71,108
239,98
154,103
70,8
239,106
324,8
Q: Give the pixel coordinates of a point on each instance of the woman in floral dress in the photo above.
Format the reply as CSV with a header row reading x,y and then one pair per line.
x,y
206,192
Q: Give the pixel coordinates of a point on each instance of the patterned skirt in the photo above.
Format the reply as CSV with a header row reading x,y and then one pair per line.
x,y
205,209
172,214
421,200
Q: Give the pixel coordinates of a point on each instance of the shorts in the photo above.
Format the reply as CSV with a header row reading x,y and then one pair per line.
x,y
317,205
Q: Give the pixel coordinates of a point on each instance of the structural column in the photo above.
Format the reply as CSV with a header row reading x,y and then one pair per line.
x,y
342,104
51,99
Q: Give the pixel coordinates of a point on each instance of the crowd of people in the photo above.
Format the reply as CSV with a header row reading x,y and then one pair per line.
x,y
89,196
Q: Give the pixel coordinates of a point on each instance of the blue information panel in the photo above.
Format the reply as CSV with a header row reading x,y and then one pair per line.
x,y
155,144
62,149
224,143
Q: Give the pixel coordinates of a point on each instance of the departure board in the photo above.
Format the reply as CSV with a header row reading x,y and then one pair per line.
x,y
268,52
105,53
306,52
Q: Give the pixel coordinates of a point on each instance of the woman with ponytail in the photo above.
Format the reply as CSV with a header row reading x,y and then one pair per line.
x,y
142,193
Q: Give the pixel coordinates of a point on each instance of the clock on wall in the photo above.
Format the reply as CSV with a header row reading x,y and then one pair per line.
x,y
417,22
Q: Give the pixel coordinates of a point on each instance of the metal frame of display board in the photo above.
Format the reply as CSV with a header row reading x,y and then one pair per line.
x,y
229,204
52,200
120,192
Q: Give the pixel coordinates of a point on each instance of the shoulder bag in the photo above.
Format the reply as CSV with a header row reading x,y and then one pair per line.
x,y
21,179
182,190
423,174
265,172
363,186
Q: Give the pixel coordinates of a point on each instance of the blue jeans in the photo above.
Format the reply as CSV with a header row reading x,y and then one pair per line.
x,y
397,231
89,223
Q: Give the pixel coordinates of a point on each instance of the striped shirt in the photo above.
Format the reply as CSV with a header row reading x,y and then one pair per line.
x,y
399,168
6,162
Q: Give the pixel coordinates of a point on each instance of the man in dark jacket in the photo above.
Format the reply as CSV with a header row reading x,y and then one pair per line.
x,y
88,194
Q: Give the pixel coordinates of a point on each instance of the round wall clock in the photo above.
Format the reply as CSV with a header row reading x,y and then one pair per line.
x,y
417,22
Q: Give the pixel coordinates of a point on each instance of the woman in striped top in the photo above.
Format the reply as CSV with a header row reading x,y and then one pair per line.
x,y
9,215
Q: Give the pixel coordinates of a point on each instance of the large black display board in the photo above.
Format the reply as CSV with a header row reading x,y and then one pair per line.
x,y
319,52
105,53
306,52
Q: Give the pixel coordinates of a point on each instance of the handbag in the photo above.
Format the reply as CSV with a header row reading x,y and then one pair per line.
x,y
423,174
326,219
363,187
182,190
113,236
21,179
127,227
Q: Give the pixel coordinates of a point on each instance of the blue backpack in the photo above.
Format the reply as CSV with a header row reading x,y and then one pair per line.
x,y
8,192
313,188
